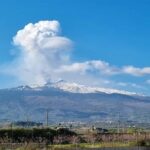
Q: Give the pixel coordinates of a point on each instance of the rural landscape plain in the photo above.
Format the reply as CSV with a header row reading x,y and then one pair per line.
x,y
74,75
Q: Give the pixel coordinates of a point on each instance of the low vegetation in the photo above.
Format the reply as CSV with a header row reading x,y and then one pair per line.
x,y
63,138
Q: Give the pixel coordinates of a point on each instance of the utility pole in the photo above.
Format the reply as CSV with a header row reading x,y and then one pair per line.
x,y
47,117
118,123
11,125
28,120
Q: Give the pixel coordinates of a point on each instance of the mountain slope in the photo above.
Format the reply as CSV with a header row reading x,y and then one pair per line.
x,y
68,102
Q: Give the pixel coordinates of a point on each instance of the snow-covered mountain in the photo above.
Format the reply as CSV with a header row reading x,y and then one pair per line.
x,y
78,88
72,102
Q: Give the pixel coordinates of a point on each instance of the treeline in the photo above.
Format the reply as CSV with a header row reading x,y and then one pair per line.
x,y
65,136
35,135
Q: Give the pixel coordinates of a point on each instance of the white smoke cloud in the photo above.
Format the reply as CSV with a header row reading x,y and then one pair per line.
x,y
42,49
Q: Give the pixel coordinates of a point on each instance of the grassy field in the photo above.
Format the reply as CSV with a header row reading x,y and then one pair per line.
x,y
98,145
33,146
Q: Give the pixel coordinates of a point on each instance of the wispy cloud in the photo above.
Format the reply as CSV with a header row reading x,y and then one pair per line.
x,y
104,68
90,66
136,71
148,82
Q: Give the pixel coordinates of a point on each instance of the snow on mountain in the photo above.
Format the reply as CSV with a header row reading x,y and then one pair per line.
x,y
78,88
21,88
75,88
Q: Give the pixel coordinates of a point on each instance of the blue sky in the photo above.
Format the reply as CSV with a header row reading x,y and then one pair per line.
x,y
115,32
